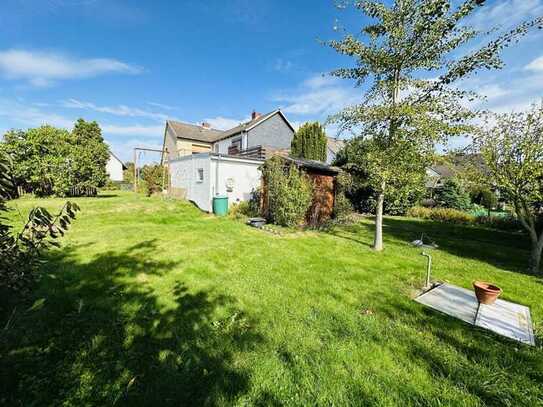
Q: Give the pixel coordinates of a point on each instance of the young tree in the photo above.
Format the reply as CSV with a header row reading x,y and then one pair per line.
x,y
513,151
20,252
309,142
404,43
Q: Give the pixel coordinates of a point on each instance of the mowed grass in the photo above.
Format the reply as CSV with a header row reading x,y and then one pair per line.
x,y
151,302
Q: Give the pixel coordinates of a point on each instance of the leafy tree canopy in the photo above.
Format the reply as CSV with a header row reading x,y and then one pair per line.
x,y
406,42
512,148
52,161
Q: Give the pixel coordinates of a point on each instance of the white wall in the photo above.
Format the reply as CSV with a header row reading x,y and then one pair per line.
x,y
184,174
218,172
114,169
224,144
243,174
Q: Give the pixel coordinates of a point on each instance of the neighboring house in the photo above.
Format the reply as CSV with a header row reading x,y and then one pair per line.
x,y
258,138
333,145
115,168
437,175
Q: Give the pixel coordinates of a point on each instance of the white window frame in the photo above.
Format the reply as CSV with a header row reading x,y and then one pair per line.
x,y
200,175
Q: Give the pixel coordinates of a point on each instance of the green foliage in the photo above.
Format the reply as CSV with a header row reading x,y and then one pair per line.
x,y
289,193
51,161
356,159
406,115
448,215
453,196
512,147
20,252
243,210
342,205
153,176
128,174
309,142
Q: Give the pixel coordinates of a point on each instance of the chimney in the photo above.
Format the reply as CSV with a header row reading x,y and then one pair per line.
x,y
206,125
255,115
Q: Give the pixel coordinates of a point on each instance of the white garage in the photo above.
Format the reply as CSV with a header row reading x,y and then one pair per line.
x,y
200,177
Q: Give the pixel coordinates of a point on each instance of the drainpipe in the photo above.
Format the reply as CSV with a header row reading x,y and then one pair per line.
x,y
217,174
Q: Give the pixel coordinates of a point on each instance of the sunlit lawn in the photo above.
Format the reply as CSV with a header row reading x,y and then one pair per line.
x,y
151,302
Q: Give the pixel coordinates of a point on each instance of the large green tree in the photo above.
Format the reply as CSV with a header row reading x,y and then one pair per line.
x,y
404,43
513,151
309,142
48,160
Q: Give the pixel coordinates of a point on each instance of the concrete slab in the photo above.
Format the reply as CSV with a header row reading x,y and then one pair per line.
x,y
504,318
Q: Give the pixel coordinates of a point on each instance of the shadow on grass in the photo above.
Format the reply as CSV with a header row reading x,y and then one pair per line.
x,y
494,369
104,337
504,250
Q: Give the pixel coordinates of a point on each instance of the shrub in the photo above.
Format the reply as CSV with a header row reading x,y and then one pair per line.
x,y
342,205
20,252
453,196
289,193
441,214
153,176
242,210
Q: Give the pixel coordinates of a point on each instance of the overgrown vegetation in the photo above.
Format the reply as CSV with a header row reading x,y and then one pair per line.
x,y
51,161
288,193
153,177
309,142
21,252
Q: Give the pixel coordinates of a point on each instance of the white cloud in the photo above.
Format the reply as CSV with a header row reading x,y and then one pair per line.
x,y
317,96
162,106
506,13
224,123
536,65
282,65
41,69
120,110
133,130
31,116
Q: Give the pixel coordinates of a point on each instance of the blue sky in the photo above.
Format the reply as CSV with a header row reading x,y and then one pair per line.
x,y
130,65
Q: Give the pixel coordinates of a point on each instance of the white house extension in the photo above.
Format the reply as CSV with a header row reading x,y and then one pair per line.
x,y
200,177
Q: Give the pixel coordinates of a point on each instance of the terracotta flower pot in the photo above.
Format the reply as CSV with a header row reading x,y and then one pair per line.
x,y
486,293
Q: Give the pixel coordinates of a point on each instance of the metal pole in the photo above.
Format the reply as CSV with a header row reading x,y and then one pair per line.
x,y
428,268
135,170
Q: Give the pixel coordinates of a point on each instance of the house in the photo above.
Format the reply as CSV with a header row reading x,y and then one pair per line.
x,y
437,175
115,168
260,137
204,162
333,145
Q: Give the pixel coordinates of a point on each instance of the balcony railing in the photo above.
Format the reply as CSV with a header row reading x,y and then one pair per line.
x,y
258,152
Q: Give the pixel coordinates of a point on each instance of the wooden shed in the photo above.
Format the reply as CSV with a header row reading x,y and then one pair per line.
x,y
323,178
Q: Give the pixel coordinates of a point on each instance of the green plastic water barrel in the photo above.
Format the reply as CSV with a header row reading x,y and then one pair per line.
x,y
220,205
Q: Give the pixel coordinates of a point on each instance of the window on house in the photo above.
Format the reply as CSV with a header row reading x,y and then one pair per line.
x,y
200,175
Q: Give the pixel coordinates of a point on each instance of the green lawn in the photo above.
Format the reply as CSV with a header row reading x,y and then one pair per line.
x,y
151,302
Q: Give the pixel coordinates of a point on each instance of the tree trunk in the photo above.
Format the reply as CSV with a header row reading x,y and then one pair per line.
x,y
535,255
378,239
